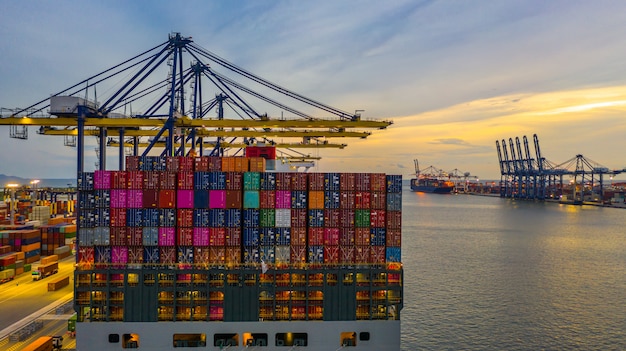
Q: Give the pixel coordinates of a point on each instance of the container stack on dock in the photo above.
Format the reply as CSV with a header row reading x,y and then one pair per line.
x,y
203,224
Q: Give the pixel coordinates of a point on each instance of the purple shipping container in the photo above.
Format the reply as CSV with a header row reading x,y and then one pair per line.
x,y
184,198
167,236
200,236
119,254
134,198
283,199
118,198
217,198
102,180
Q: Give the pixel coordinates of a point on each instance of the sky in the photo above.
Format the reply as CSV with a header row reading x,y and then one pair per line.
x,y
453,76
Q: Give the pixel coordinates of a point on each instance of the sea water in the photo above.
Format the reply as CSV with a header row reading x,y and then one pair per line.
x,y
487,273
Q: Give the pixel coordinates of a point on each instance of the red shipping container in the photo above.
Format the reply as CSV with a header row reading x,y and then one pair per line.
x,y
167,198
200,236
378,182
347,181
201,164
233,236
171,164
185,180
331,236
215,164
299,181
216,254
135,254
133,163
184,236
233,198
393,237
217,198
184,218
151,180
316,236
377,254
118,217
119,235
377,218
298,217
298,236
167,180
332,218
150,198
346,218
267,152
217,236
378,200
362,236
346,254
283,180
134,198
267,198
298,254
201,255
362,200
362,182
331,254
394,219
362,254
184,198
167,236
134,235
135,179
119,198
185,163
167,254
85,254
316,181
118,180
347,199
346,236
234,181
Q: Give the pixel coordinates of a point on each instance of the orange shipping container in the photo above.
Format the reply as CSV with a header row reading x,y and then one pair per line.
x,y
31,247
316,200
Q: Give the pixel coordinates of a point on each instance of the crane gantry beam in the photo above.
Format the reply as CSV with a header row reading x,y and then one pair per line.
x,y
114,132
239,145
194,123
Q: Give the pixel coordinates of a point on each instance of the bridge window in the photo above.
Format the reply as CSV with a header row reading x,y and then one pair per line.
x,y
114,338
364,336
189,340
254,339
348,339
292,339
130,341
221,340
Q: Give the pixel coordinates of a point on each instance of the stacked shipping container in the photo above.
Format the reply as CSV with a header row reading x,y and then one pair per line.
x,y
186,211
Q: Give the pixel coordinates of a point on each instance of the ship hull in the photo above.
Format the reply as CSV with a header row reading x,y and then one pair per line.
x,y
371,335
435,189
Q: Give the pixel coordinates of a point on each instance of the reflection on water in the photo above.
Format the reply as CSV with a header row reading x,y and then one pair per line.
x,y
489,273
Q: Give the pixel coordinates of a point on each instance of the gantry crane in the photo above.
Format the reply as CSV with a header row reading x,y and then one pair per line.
x,y
176,114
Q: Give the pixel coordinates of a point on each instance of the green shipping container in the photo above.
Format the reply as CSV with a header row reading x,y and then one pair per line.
x,y
361,218
251,199
27,267
268,217
251,181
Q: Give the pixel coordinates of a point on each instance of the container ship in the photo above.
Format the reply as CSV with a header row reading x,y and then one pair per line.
x,y
431,180
219,253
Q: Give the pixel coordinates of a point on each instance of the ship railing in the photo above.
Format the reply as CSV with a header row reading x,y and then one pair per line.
x,y
240,266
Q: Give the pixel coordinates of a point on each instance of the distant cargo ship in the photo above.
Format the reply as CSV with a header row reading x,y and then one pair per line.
x,y
431,180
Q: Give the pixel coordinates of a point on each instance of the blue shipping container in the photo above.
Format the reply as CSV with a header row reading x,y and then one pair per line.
x,y
251,218
217,181
201,218
201,199
134,217
283,236
217,218
316,218
251,236
167,217
378,236
151,217
232,218
267,236
299,199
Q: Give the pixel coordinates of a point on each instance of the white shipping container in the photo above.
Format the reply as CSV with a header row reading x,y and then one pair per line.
x,y
283,217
